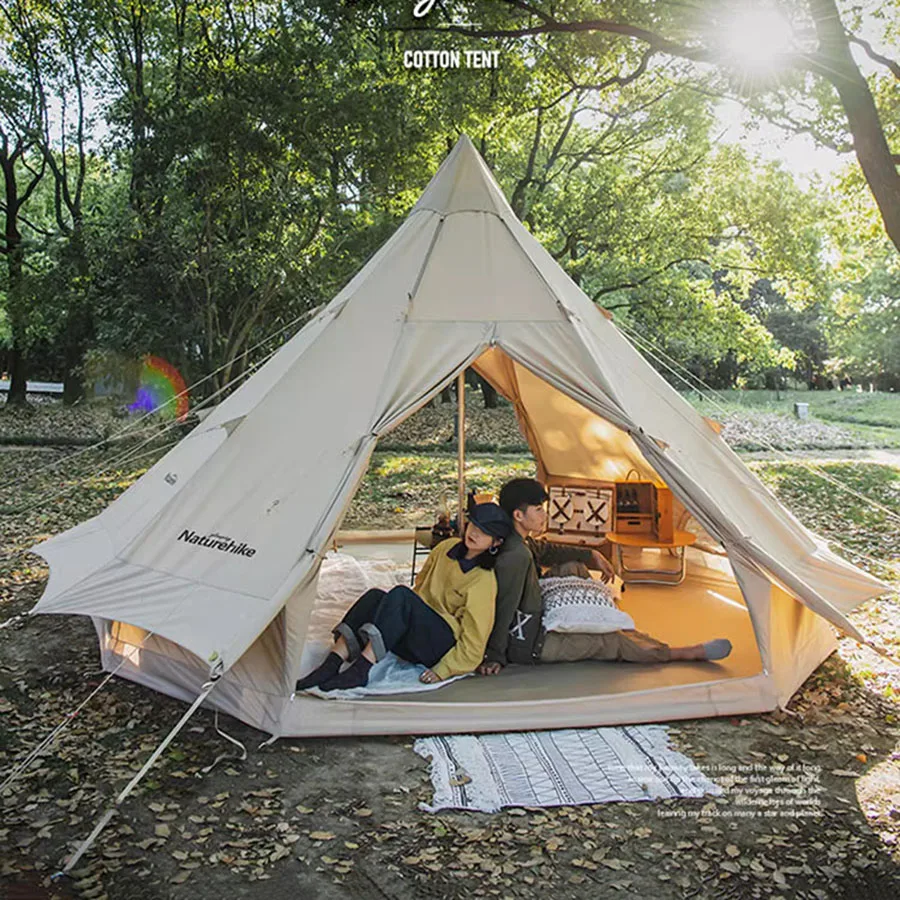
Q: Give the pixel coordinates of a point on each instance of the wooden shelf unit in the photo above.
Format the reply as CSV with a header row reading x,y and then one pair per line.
x,y
643,507
583,512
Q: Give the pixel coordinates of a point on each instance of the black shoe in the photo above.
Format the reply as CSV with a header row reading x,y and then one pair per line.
x,y
328,669
354,676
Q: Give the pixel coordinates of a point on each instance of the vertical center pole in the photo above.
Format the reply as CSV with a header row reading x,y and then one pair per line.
x,y
461,449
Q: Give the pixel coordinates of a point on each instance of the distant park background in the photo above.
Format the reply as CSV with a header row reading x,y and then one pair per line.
x,y
189,182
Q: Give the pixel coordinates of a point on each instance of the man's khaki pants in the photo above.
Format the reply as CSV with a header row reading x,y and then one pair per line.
x,y
623,646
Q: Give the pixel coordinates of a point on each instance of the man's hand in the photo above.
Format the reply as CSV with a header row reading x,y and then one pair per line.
x,y
601,564
428,677
489,668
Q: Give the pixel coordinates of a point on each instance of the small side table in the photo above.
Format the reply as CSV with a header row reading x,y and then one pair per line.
x,y
680,540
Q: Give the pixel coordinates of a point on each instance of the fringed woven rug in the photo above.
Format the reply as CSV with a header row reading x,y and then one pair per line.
x,y
558,768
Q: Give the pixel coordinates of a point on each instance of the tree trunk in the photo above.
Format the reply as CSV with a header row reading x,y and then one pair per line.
x,y
17,394
73,383
14,252
79,328
489,394
869,142
79,323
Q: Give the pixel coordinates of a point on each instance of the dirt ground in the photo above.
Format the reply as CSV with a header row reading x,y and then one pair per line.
x,y
339,817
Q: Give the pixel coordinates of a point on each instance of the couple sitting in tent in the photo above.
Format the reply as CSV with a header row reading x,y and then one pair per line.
x,y
477,604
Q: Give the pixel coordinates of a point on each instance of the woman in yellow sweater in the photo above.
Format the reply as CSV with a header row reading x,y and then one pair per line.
x,y
444,624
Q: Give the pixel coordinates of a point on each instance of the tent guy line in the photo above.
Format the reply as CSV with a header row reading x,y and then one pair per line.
x,y
21,767
114,806
126,454
129,455
650,347
122,432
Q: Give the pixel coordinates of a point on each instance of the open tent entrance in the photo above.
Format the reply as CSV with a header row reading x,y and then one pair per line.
x,y
574,447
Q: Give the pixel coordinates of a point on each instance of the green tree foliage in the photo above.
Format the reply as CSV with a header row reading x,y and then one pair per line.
x,y
223,168
795,64
864,321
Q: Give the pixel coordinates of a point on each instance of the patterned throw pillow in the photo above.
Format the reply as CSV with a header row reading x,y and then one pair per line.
x,y
581,605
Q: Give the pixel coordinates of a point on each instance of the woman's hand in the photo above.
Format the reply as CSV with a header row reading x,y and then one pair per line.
x,y
428,677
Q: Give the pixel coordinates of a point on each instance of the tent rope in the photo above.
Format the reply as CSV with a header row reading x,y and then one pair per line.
x,y
653,350
66,720
848,550
50,738
243,754
123,456
122,432
126,454
111,810
129,456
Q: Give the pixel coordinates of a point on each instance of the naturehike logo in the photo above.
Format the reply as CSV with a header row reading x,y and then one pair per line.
x,y
215,542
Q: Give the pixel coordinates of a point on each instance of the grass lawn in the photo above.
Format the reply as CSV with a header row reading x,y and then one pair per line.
x,y
404,490
874,417
879,408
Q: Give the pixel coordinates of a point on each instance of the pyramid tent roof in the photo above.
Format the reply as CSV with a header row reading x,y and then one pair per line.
x,y
216,539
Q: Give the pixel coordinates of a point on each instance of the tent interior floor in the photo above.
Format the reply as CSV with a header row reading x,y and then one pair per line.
x,y
707,604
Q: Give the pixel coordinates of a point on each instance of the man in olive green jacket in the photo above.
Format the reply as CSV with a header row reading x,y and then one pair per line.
x,y
518,637
517,621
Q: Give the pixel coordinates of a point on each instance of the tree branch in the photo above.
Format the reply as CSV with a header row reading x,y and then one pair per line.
x,y
571,240
630,285
35,228
621,80
874,55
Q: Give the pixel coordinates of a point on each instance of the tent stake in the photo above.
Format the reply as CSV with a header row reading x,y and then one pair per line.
x,y
461,450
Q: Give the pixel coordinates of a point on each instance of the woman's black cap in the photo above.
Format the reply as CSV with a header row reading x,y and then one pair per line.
x,y
490,518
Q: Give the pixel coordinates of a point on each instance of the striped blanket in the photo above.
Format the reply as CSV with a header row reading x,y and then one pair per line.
x,y
558,768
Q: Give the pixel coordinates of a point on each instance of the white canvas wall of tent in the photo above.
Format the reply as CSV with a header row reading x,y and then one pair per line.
x,y
268,475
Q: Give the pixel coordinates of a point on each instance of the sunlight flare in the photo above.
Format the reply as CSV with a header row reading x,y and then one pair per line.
x,y
757,40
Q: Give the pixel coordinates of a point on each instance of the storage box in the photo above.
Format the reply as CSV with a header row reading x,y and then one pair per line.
x,y
643,507
580,514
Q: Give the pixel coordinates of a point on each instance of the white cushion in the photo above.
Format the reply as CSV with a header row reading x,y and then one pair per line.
x,y
582,605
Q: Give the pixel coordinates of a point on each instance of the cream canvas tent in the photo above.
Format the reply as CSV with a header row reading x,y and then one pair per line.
x,y
209,562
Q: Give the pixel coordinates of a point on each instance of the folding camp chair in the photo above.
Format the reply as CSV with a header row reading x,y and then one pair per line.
x,y
423,541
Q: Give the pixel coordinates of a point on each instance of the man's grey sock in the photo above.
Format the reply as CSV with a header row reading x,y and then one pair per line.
x,y
717,649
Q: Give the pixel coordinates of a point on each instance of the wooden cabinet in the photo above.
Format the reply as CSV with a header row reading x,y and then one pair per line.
x,y
643,507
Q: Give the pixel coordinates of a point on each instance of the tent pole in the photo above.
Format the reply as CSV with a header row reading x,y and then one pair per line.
x,y
461,450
